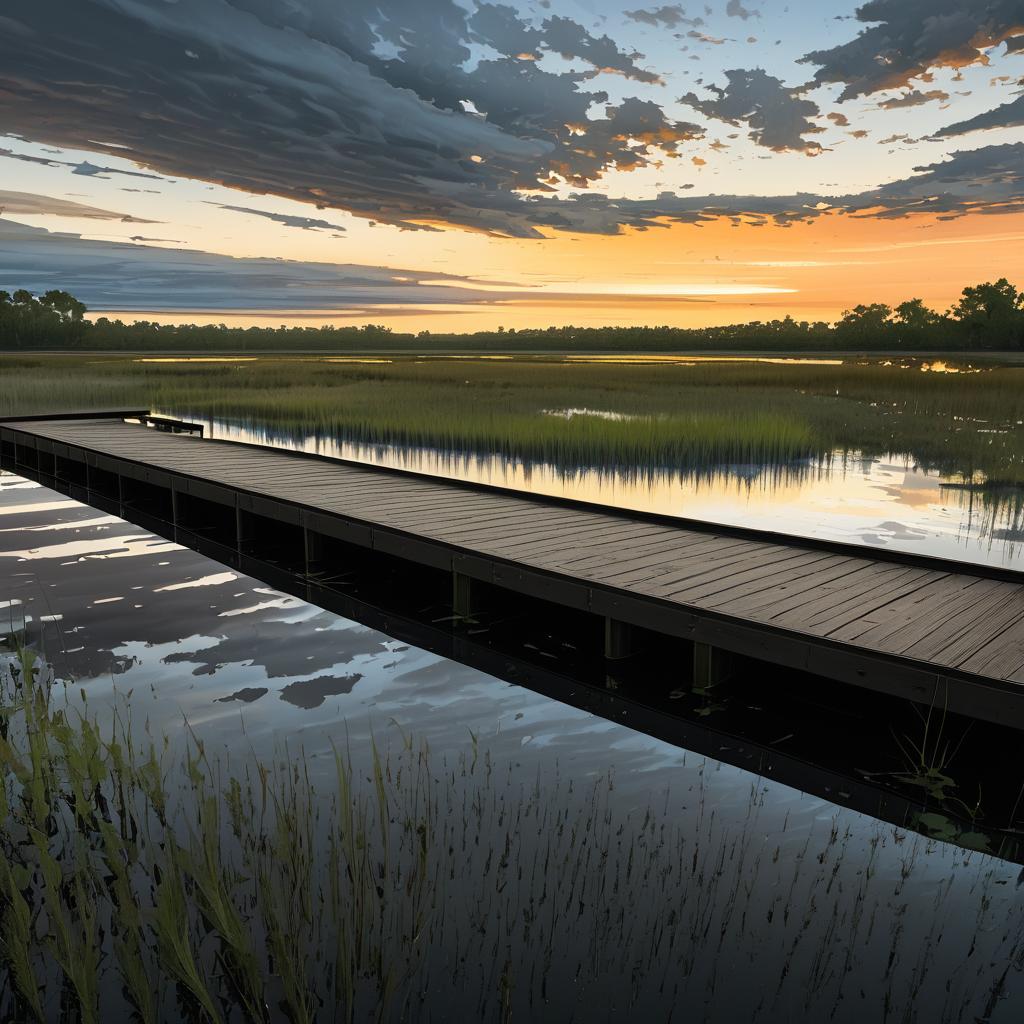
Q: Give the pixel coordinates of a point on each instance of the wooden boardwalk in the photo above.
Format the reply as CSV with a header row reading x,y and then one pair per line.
x,y
926,629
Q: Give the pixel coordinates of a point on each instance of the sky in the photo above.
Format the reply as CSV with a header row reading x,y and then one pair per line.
x,y
462,165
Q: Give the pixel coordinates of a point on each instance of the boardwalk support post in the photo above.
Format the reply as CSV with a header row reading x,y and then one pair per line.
x,y
711,666
463,604
314,548
618,639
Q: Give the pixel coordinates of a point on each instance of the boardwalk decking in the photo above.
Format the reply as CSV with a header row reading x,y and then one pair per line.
x,y
925,629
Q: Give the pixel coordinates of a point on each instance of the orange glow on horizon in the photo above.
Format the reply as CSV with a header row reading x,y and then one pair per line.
x,y
679,275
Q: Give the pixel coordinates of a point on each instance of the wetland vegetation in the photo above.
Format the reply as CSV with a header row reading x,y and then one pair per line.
x,y
963,419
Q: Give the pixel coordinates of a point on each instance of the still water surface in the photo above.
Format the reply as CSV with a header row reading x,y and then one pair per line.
x,y
670,887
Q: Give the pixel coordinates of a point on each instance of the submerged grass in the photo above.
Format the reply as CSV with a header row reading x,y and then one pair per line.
x,y
143,879
672,413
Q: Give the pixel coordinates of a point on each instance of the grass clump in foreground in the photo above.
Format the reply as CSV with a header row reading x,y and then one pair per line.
x,y
140,881
135,886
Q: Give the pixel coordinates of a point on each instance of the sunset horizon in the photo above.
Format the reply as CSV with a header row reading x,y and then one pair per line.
x,y
484,165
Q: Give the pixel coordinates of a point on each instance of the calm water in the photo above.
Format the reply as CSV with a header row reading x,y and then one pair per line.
x,y
680,876
875,502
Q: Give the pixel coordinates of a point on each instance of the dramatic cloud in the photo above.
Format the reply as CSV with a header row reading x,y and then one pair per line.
x,y
376,109
1009,115
305,223
22,203
983,181
421,113
778,117
500,26
570,39
988,180
630,133
908,37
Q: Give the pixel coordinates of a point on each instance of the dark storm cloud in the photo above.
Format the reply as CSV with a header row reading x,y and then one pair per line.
x,y
288,220
499,26
1009,115
906,38
261,107
359,106
424,112
778,117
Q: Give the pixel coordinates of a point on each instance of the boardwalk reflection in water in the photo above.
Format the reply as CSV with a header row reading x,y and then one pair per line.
x,y
650,876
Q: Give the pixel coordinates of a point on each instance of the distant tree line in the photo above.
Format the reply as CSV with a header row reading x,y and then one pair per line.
x,y
53,320
987,317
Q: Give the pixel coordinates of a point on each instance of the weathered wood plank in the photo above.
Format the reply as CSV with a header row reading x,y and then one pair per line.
x,y
929,600
684,564
960,633
827,614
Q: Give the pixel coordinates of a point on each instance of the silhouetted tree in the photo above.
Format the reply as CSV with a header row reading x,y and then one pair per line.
x,y
865,325
56,319
992,314
67,305
915,326
916,315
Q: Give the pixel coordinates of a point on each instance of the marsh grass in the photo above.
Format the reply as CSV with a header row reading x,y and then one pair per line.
x,y
677,414
142,878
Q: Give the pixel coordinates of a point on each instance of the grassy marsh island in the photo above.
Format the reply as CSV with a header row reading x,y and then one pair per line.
x,y
961,417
